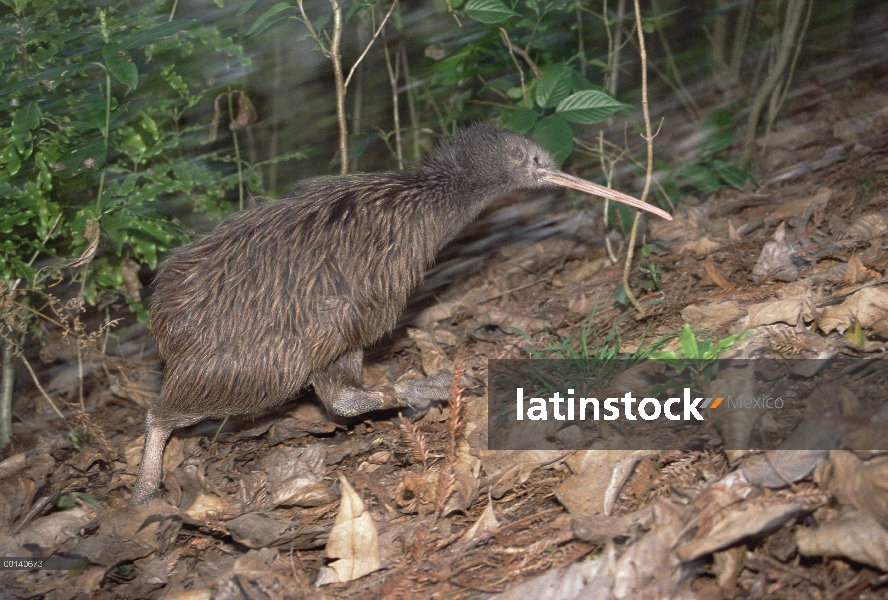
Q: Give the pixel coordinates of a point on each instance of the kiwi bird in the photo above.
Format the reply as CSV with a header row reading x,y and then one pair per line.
x,y
288,294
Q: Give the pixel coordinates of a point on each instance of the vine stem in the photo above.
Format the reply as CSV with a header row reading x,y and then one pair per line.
x,y
336,58
106,134
237,154
649,138
6,395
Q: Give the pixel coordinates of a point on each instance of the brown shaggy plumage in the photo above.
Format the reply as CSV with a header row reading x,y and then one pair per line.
x,y
289,293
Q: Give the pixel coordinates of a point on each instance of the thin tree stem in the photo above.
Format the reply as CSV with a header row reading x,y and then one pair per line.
x,y
393,74
6,395
649,138
336,59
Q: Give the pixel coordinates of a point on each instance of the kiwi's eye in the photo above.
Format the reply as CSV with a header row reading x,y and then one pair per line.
x,y
536,160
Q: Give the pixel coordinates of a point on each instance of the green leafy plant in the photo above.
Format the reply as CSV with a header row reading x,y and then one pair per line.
x,y
71,500
652,271
592,360
88,162
699,357
542,96
709,173
96,154
124,572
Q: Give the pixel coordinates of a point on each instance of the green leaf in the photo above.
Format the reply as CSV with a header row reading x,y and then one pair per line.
x,y
110,276
26,118
620,296
670,187
8,221
578,82
42,56
733,176
522,120
515,93
589,106
159,230
144,37
90,113
699,176
727,342
87,155
246,7
556,136
274,10
716,132
139,310
688,343
322,21
12,160
705,349
488,11
620,216
357,7
69,500
121,65
146,250
62,72
553,86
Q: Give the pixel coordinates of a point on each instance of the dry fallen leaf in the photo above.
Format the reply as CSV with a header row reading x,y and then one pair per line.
x,y
781,311
128,533
707,317
854,536
866,227
739,522
586,579
862,484
466,482
207,506
715,275
433,356
483,529
868,307
50,531
508,468
296,476
198,594
779,468
797,212
774,262
584,494
129,269
353,541
734,424
702,246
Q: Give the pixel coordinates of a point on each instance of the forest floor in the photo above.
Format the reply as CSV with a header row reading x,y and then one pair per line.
x,y
799,260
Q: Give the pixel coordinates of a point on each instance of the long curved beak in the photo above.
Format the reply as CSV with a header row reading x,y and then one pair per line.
x,y
565,180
